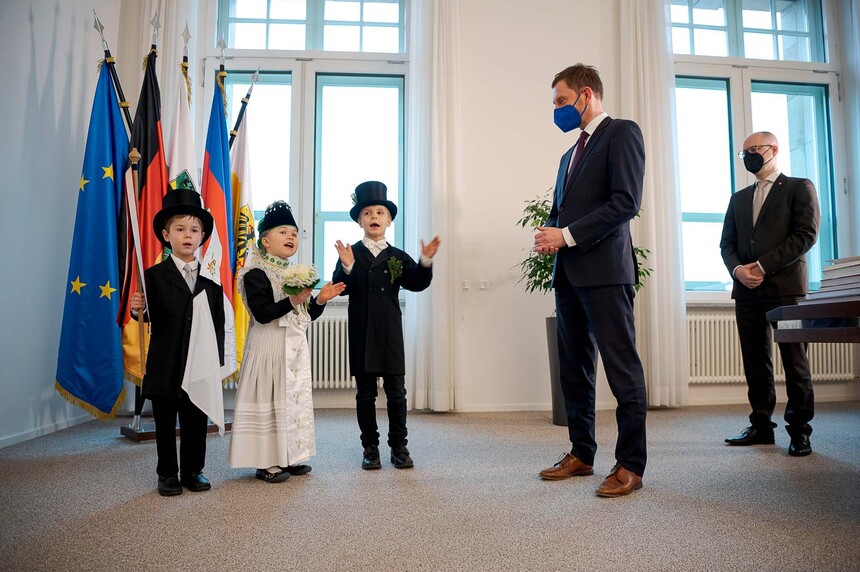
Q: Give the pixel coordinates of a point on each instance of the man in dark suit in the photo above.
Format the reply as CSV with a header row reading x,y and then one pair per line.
x,y
769,228
598,191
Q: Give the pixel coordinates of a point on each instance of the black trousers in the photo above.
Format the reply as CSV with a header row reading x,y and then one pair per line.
x,y
589,319
365,408
192,435
756,337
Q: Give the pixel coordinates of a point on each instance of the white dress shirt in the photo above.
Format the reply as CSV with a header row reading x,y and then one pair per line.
x,y
590,129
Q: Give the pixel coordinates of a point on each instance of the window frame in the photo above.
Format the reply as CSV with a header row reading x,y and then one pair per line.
x,y
314,28
740,80
819,46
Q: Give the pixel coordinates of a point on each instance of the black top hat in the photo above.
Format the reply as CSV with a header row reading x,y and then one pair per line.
x,y
371,193
182,201
277,214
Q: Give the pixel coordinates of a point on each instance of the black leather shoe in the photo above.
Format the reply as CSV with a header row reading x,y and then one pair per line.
x,y
297,469
196,482
268,477
169,486
752,436
371,460
400,458
800,446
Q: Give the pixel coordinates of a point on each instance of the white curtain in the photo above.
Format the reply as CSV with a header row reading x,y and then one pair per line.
x,y
432,190
647,97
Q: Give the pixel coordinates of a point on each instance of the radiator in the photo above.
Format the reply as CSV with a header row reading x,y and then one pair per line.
x,y
715,353
329,344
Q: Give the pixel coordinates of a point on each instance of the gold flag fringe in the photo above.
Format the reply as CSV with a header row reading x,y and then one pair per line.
x,y
233,377
221,75
92,410
129,376
146,58
184,67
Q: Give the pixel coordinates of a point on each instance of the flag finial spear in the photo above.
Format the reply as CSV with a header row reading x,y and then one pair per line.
x,y
97,24
254,79
155,27
222,45
186,35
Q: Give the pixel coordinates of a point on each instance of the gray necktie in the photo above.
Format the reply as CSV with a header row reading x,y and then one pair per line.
x,y
758,199
189,276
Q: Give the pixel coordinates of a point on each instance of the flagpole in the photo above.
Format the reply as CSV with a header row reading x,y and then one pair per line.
x,y
134,157
245,100
111,64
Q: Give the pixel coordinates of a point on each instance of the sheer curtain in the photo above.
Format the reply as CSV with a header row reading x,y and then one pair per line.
x,y
647,96
432,191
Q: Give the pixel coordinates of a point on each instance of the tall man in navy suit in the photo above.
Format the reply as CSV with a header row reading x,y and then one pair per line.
x,y
598,191
769,228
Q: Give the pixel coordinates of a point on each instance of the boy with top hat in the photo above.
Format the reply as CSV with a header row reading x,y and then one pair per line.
x,y
171,286
374,271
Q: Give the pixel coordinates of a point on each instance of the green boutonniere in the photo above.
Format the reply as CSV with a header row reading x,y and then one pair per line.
x,y
396,268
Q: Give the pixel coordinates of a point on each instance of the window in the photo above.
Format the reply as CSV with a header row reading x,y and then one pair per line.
x,y
743,66
359,134
321,125
326,25
785,30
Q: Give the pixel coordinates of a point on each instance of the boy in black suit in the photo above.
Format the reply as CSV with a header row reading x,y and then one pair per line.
x,y
171,285
374,271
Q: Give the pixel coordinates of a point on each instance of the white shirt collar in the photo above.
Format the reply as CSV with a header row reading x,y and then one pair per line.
x,y
592,125
180,264
369,242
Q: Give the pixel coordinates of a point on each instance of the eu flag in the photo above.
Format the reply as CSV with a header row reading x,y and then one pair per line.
x,y
89,364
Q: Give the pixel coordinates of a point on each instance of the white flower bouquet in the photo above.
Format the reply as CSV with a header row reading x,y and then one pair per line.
x,y
297,277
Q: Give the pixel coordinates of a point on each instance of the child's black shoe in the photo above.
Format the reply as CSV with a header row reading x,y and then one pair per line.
x,y
265,475
196,482
295,470
169,486
400,458
371,458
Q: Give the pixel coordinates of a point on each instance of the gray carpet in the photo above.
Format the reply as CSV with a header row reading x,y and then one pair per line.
x,y
84,499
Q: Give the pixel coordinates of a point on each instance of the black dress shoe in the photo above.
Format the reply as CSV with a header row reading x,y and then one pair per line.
x,y
169,486
297,469
196,482
800,446
400,458
268,477
371,461
753,436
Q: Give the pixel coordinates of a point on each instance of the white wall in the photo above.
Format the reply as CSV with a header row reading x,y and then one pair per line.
x,y
511,51
49,75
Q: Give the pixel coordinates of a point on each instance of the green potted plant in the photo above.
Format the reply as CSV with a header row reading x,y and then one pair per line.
x,y
536,274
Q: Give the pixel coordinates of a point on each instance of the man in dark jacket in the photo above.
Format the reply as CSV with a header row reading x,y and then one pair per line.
x,y
769,228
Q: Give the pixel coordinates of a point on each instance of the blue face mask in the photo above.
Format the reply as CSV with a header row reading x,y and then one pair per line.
x,y
568,118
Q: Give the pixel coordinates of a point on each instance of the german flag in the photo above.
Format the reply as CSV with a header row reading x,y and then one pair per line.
x,y
146,137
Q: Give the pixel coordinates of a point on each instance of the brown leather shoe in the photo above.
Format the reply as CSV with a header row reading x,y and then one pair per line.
x,y
619,483
567,466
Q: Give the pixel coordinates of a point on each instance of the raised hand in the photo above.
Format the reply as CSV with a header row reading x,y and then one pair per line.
x,y
329,291
431,248
344,252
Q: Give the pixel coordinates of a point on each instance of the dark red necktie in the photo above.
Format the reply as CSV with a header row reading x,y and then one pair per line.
x,y
580,146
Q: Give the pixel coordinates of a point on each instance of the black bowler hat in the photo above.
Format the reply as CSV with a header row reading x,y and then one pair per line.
x,y
184,202
277,214
371,193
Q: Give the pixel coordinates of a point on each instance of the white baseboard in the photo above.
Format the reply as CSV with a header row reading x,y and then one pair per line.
x,y
43,430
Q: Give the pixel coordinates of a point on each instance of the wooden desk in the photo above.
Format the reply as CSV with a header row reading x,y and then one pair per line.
x,y
829,320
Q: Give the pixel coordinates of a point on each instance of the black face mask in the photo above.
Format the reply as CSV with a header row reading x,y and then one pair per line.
x,y
753,162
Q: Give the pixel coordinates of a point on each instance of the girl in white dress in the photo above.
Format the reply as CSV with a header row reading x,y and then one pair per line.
x,y
273,420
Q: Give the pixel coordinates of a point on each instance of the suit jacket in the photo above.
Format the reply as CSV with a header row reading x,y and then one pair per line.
x,y
169,310
375,320
786,229
596,203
